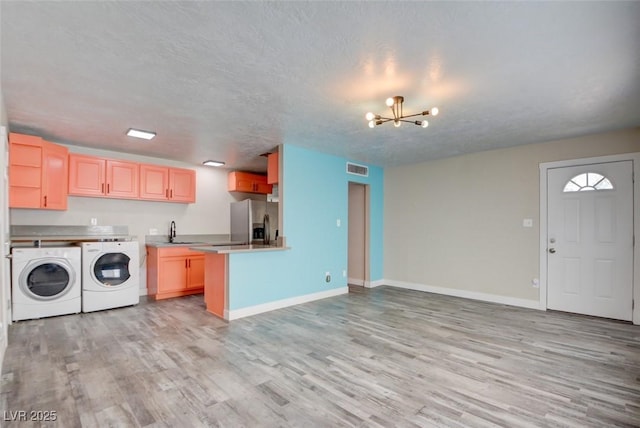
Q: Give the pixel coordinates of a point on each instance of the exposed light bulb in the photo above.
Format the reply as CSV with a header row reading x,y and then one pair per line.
x,y
425,124
389,102
434,111
370,116
372,124
397,123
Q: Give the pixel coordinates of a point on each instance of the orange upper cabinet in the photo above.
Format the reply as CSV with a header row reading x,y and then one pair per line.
x,y
122,179
272,168
154,182
55,173
182,185
37,173
94,176
248,182
159,183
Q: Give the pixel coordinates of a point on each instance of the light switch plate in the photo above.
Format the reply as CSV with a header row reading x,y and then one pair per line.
x,y
527,222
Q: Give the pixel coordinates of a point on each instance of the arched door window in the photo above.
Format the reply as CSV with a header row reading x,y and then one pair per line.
x,y
588,181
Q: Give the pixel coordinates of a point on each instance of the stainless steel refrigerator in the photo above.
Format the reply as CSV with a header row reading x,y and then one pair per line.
x,y
249,216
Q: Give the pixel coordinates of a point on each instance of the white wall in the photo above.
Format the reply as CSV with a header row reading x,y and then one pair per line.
x,y
457,222
209,215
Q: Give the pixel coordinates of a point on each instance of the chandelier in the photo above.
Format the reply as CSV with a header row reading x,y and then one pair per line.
x,y
395,104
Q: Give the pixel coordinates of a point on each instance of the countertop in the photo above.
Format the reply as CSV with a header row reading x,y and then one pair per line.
x,y
232,249
70,233
179,243
16,238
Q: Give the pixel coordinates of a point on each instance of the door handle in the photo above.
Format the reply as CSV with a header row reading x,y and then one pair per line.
x,y
552,250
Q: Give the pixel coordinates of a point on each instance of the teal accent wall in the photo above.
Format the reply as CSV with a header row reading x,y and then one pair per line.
x,y
314,195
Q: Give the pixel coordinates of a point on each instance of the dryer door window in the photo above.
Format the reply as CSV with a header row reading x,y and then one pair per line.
x,y
112,269
48,281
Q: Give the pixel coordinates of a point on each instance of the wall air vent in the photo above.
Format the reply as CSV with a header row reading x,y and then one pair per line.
x,y
355,169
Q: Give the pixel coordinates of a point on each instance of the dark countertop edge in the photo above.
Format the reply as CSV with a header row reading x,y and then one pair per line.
x,y
193,244
72,238
233,249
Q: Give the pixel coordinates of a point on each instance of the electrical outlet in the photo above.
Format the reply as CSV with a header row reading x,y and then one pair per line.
x,y
94,221
535,283
338,222
327,276
527,222
344,273
153,231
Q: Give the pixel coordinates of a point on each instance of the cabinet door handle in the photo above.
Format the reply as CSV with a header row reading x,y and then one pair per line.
x,y
171,194
102,188
189,263
107,188
186,264
166,193
45,201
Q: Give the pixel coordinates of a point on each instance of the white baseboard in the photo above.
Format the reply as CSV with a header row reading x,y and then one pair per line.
x,y
473,295
377,283
354,281
279,304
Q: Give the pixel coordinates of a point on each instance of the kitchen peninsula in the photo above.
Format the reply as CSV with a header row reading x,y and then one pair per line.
x,y
217,281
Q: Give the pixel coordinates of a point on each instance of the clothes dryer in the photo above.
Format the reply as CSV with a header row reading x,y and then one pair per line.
x,y
45,282
110,275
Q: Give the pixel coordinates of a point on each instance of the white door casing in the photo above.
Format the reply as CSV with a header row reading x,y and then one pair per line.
x,y
5,279
357,254
587,260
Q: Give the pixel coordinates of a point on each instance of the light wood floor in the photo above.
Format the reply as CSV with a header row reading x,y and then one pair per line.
x,y
381,357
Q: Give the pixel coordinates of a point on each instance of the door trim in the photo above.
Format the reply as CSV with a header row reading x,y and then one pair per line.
x,y
544,167
366,281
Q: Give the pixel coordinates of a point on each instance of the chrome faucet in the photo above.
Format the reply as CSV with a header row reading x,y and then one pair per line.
x,y
172,231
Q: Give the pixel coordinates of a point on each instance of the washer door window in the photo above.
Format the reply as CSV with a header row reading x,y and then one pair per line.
x,y
112,269
47,280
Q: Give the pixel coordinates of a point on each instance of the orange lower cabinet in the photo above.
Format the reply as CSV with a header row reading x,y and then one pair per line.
x,y
215,285
195,272
174,272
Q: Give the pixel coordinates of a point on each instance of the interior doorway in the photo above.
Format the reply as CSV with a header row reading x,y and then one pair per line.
x,y
358,230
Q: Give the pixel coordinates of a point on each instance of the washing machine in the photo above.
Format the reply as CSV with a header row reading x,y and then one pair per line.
x,y
45,282
110,275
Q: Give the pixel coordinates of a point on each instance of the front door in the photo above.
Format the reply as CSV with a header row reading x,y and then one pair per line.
x,y
590,239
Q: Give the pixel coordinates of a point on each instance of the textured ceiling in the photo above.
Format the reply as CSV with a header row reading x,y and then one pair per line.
x,y
231,80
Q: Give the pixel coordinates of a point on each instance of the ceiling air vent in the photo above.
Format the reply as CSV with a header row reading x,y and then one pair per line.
x,y
354,168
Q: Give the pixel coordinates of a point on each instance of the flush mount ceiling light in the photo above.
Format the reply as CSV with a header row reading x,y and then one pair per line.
x,y
137,133
212,163
395,104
